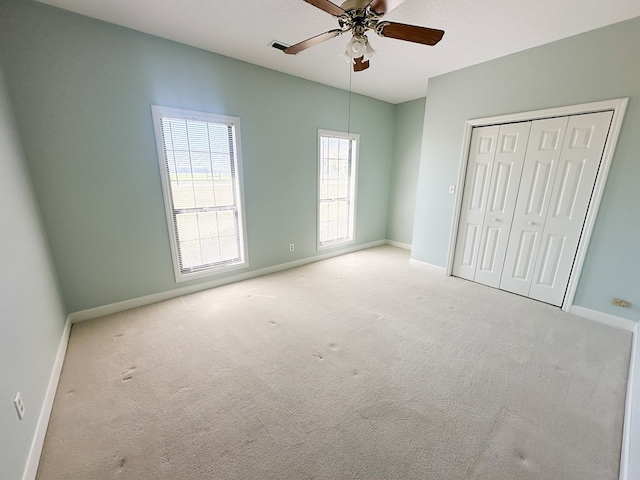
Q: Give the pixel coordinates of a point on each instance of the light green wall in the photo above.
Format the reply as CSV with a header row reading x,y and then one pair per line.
x,y
406,161
31,311
598,65
82,89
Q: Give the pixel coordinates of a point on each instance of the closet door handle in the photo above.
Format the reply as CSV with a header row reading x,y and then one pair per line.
x,y
531,223
496,220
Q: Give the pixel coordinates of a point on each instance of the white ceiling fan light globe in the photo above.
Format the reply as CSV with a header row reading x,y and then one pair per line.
x,y
369,52
357,47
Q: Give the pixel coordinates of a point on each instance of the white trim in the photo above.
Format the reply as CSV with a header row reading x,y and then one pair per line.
x,y
631,426
353,210
462,173
565,111
393,243
157,113
33,460
429,266
177,292
618,106
606,318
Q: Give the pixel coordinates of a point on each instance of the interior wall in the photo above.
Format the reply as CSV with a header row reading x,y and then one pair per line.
x,y
597,65
82,91
406,162
32,315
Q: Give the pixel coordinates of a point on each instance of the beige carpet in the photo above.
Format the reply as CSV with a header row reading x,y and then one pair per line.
x,y
357,367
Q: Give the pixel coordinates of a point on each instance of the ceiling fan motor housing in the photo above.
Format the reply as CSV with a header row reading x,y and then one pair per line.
x,y
358,20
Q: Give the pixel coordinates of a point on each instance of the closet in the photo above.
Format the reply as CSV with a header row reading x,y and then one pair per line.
x,y
526,194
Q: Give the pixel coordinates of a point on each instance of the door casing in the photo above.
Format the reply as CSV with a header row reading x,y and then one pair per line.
x,y
618,106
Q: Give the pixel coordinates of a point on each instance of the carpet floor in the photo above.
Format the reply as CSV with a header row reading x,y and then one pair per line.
x,y
362,366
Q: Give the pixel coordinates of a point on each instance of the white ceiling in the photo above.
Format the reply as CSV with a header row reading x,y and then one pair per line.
x,y
476,31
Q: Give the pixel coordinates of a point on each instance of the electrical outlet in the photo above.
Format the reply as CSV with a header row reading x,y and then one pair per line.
x,y
618,302
291,247
19,405
452,189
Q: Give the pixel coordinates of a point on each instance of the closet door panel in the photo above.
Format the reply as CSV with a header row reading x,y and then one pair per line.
x,y
538,175
503,191
580,159
474,200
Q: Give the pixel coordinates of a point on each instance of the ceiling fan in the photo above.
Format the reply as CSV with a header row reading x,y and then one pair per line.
x,y
359,16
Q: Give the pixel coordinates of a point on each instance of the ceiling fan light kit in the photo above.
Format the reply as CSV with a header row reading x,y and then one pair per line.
x,y
359,16
358,47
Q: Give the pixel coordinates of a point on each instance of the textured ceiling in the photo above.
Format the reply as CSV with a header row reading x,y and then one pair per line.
x,y
476,31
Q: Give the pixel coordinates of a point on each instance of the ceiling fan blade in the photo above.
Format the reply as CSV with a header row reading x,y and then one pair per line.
x,y
383,6
310,42
359,65
327,6
410,33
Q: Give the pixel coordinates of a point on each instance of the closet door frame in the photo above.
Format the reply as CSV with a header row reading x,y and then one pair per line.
x,y
618,106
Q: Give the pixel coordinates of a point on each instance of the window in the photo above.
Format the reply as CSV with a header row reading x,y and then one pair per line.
x,y
202,183
337,159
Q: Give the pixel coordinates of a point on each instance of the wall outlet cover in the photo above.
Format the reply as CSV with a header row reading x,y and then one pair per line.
x,y
619,302
19,405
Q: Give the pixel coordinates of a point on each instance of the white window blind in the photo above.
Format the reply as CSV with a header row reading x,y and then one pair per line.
x,y
337,159
200,166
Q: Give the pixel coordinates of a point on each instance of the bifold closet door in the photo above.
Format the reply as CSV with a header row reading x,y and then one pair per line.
x,y
503,191
560,170
482,151
496,157
579,163
541,164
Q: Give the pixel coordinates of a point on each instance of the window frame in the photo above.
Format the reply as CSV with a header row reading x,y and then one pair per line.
x,y
158,112
354,139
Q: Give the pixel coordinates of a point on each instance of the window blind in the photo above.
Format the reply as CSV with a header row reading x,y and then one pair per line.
x,y
202,185
336,188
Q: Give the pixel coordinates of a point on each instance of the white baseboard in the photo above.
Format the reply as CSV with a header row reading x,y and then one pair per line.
x,y
393,243
435,268
630,452
607,319
33,460
177,292
630,455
